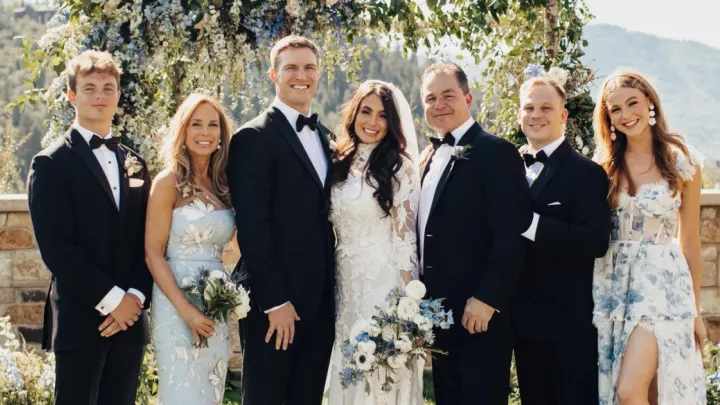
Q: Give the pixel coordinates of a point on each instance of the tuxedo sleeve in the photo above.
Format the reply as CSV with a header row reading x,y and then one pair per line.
x,y
250,173
588,232
142,279
52,217
509,214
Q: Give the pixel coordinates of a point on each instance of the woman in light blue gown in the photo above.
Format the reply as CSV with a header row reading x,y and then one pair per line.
x,y
189,222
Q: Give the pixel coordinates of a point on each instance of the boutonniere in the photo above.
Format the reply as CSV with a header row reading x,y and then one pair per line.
x,y
132,165
461,152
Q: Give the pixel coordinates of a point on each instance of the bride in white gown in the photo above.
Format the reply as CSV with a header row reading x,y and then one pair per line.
x,y
375,194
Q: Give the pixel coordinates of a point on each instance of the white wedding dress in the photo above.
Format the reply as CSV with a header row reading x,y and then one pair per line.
x,y
372,251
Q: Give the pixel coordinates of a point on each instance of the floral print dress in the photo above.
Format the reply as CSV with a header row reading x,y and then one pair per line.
x,y
644,281
199,231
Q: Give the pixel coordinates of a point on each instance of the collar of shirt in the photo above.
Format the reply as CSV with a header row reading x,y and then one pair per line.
x,y
88,134
549,149
460,131
290,113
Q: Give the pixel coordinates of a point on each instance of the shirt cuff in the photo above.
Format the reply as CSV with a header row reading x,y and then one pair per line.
x,y
530,233
274,308
137,294
111,300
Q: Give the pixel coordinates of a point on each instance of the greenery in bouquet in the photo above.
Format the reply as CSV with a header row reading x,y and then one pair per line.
x,y
26,377
394,338
216,295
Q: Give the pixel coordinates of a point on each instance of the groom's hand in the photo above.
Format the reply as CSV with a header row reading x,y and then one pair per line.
x,y
477,315
109,327
127,313
282,323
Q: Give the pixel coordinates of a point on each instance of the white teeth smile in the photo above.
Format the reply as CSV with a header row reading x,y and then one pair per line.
x,y
370,132
300,87
204,143
536,125
630,124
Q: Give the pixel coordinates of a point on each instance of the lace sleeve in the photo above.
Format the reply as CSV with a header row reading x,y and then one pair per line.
x,y
404,219
687,165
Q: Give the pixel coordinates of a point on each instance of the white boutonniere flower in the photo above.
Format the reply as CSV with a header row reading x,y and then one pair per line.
x,y
132,165
332,145
461,152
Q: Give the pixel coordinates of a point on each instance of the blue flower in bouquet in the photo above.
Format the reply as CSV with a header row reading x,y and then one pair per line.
x,y
534,70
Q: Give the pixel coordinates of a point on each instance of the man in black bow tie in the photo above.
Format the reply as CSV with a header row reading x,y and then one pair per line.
x,y
278,174
556,343
89,220
473,207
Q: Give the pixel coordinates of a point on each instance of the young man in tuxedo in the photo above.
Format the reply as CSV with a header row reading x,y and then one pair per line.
x,y
278,174
87,195
556,343
473,207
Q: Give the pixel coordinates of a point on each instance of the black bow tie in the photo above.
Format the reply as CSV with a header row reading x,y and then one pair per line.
x,y
311,121
541,157
111,143
447,139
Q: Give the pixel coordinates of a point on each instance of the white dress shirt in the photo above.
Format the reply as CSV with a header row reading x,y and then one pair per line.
x,y
429,185
310,141
108,162
531,174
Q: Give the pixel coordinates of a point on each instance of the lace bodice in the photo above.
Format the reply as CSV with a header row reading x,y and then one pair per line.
x,y
360,223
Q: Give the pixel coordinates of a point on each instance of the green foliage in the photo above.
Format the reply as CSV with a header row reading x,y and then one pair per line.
x,y
523,36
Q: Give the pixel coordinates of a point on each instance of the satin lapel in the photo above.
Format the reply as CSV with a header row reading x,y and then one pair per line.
x,y
83,150
282,125
124,181
549,169
466,140
426,166
323,134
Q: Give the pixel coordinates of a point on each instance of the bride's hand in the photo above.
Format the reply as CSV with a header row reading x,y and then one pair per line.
x,y
198,323
700,332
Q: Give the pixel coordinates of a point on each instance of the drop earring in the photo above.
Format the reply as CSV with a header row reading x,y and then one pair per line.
x,y
652,121
612,133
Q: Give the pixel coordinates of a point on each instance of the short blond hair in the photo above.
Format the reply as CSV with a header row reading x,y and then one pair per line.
x,y
291,41
544,80
91,62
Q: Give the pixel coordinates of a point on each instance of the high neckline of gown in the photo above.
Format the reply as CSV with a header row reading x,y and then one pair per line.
x,y
365,149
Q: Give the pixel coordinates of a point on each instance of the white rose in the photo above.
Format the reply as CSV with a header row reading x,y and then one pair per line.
x,y
403,344
241,310
364,361
388,333
209,290
186,282
216,275
361,326
330,3
374,330
391,306
367,347
424,323
408,308
398,360
415,290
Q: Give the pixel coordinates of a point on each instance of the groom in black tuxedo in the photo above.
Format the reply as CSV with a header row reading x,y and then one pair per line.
x,y
88,196
556,343
473,207
278,174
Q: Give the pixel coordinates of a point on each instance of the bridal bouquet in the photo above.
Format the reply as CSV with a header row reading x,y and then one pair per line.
x,y
216,294
393,338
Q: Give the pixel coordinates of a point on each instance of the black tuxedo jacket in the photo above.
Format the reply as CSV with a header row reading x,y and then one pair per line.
x,y
553,300
88,245
281,210
473,246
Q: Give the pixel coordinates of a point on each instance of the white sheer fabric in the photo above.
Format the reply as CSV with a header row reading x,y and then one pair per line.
x,y
372,252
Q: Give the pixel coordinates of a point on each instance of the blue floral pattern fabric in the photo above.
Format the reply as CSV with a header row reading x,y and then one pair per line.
x,y
644,281
187,374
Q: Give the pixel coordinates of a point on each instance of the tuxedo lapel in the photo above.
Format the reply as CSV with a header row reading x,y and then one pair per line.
x,y
83,150
467,139
124,181
285,128
549,169
323,133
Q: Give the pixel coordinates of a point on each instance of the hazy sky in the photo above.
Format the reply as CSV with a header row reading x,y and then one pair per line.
x,y
695,20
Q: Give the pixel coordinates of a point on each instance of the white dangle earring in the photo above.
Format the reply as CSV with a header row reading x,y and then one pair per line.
x,y
652,121
612,133
219,145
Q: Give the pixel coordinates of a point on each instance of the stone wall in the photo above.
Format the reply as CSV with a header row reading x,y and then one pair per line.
x,y
24,278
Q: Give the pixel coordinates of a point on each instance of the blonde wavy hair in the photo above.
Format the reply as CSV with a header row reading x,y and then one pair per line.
x,y
177,158
611,154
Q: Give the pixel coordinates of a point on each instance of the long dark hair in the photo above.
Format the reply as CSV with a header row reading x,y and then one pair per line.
x,y
386,159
